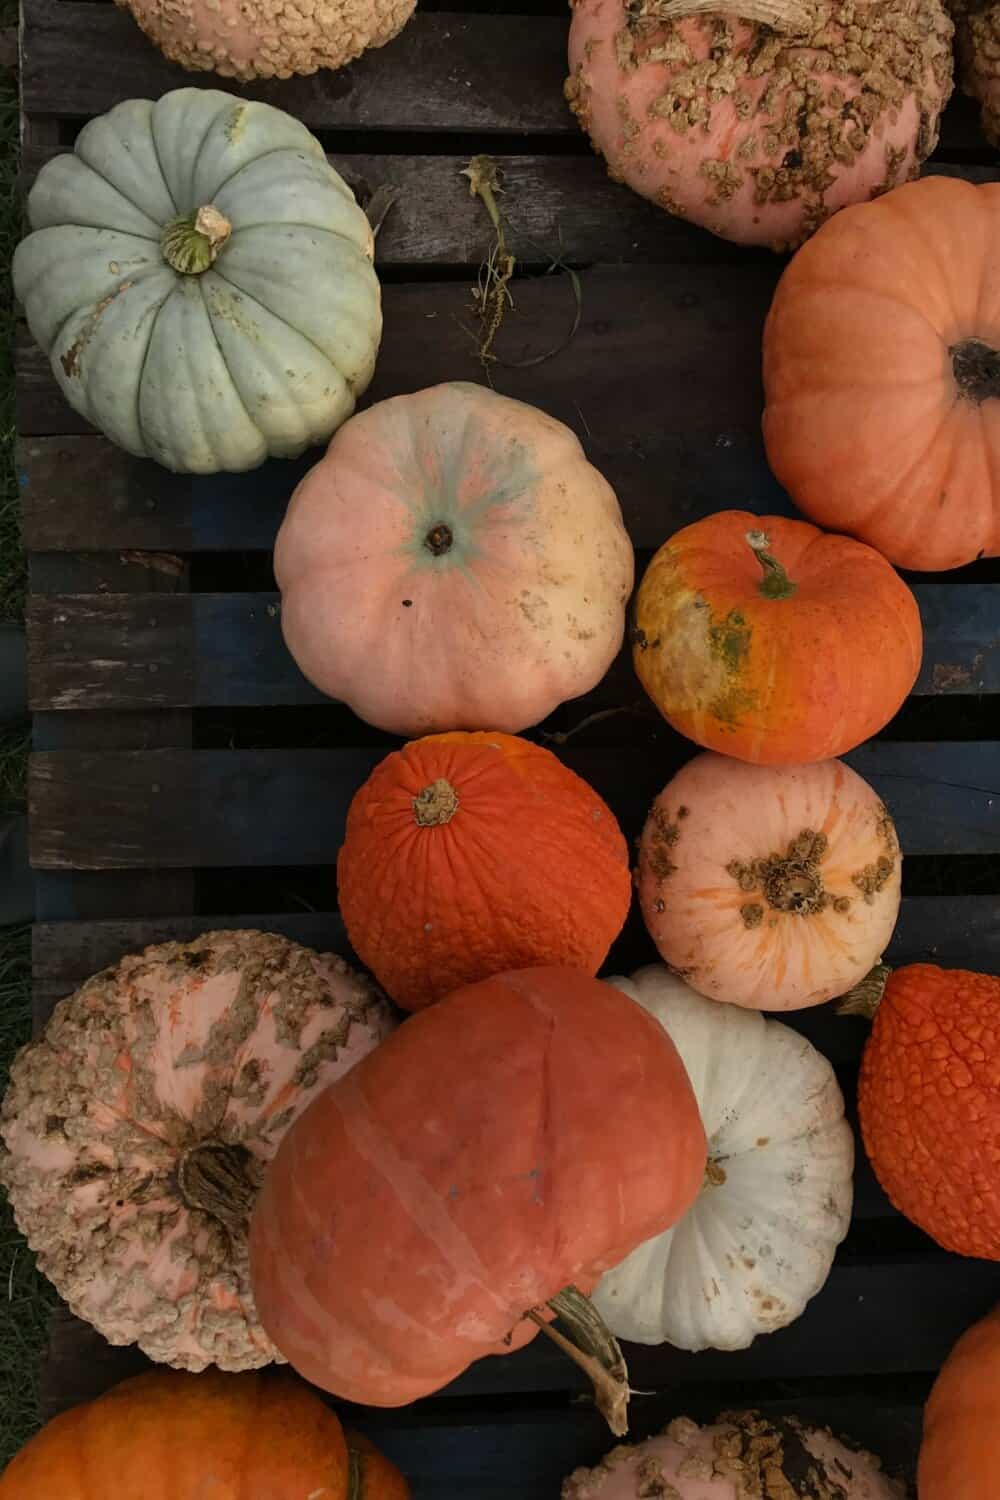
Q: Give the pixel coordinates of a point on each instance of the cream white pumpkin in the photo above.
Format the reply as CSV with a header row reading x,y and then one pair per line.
x,y
760,1238
202,282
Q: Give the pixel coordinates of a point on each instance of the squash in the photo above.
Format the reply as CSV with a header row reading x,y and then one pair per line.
x,y
477,1139
977,58
468,854
960,1451
453,562
761,122
206,1437
767,640
759,1240
258,39
739,1456
201,280
929,1103
770,887
882,374
136,1128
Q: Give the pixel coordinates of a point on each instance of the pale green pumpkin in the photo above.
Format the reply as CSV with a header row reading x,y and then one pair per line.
x,y
202,281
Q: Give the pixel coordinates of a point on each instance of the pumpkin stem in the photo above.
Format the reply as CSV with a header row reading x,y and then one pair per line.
x,y
866,996
788,16
436,804
976,367
775,583
594,1348
193,242
439,540
355,1475
222,1181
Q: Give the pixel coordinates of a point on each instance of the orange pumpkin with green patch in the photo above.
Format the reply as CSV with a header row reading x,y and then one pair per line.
x,y
772,641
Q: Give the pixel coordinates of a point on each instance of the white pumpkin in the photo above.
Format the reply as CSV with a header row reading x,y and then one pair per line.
x,y
776,1202
202,281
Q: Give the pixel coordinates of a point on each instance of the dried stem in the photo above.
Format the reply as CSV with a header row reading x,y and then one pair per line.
x,y
866,996
790,17
594,1349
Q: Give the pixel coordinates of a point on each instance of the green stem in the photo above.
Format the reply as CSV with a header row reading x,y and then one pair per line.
x,y
775,583
594,1349
194,242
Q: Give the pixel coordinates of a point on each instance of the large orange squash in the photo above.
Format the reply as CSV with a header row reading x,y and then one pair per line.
x,y
882,374
169,1436
468,854
770,641
960,1452
521,1136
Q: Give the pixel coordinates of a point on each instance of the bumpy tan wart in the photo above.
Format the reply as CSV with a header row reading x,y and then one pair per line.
x,y
268,38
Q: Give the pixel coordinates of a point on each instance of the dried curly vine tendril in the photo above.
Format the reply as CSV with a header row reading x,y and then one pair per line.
x,y
593,1347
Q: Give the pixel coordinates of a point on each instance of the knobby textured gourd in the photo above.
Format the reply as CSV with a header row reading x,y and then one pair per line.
x,y
759,1240
960,1451
454,562
977,58
136,1129
202,282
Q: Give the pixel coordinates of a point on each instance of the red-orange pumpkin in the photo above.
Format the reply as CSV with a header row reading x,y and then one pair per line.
x,y
523,1135
469,854
960,1452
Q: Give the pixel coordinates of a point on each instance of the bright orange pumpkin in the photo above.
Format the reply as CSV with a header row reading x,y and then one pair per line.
x,y
172,1436
882,374
960,1452
770,641
523,1135
469,854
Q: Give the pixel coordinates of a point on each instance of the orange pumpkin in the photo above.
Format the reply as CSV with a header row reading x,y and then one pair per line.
x,y
770,641
521,1136
960,1451
882,374
170,1436
469,854
929,1103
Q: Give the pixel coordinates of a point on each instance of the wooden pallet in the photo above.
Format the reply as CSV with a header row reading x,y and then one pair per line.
x,y
186,777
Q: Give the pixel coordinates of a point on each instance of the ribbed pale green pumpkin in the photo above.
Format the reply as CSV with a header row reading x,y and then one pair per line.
x,y
202,281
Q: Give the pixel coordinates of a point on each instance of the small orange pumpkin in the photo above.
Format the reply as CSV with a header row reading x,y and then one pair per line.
x,y
770,641
960,1451
469,854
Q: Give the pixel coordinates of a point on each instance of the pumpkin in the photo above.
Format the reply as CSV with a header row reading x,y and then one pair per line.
x,y
759,123
453,562
201,281
135,1131
477,1139
740,1455
882,374
767,640
770,887
468,854
977,55
208,1437
264,40
960,1451
759,1240
929,1103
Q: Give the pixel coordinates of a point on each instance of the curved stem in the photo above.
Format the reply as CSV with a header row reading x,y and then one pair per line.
x,y
594,1349
792,17
866,996
775,583
355,1475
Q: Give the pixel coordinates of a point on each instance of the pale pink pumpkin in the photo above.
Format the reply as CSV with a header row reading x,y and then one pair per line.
x,y
453,562
136,1129
757,135
773,887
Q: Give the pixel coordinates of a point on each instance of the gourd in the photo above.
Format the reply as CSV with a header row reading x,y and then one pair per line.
x,y
759,123
201,280
257,39
929,1101
977,58
960,1451
769,887
468,854
759,1240
477,1139
136,1128
453,562
203,1437
767,640
741,1454
882,374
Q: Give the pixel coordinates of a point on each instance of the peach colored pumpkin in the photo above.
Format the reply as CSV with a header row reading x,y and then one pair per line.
x,y
136,1128
757,136
960,1451
453,562
770,887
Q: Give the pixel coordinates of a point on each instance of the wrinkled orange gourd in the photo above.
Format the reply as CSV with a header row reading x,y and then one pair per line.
x,y
174,1436
469,854
929,1102
771,641
882,374
960,1451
